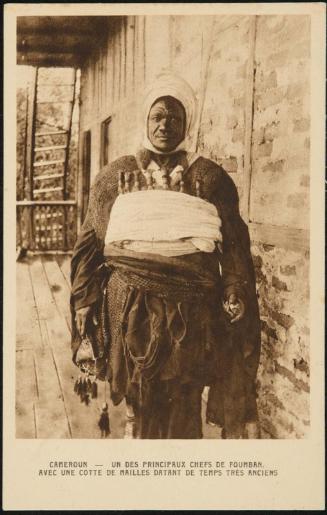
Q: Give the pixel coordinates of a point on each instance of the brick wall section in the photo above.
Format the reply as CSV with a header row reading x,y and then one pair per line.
x,y
280,196
283,378
281,124
222,127
279,192
222,124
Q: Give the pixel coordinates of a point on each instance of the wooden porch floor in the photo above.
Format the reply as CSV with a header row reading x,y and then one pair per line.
x,y
46,405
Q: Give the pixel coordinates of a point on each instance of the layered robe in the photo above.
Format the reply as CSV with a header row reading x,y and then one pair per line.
x,y
163,334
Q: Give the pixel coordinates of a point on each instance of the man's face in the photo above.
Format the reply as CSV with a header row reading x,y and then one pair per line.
x,y
166,124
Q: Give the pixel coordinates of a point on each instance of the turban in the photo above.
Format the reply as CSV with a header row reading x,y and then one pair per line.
x,y
170,84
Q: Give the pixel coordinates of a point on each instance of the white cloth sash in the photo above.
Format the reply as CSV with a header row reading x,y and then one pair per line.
x,y
164,222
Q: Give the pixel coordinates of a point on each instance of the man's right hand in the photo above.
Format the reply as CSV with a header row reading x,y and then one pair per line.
x,y
81,317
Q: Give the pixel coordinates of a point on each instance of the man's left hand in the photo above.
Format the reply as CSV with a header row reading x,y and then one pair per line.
x,y
234,307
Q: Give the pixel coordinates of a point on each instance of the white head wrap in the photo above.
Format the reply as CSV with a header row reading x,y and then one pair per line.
x,y
170,84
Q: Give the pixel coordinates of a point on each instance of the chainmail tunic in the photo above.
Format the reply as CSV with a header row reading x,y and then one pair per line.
x,y
212,352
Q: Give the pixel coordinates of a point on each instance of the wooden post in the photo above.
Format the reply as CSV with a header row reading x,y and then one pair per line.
x,y
22,192
30,133
30,138
65,227
86,172
204,82
64,192
245,206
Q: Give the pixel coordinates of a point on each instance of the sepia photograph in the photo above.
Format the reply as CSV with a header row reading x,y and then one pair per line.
x,y
164,231
143,164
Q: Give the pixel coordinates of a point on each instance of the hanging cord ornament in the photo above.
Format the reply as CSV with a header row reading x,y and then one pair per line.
x,y
87,364
89,384
103,422
77,385
83,390
94,389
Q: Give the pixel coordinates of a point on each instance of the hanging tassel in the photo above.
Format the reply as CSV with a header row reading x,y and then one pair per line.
x,y
80,386
88,385
76,385
84,385
86,398
127,176
198,188
103,422
121,183
83,389
94,390
165,184
149,179
136,186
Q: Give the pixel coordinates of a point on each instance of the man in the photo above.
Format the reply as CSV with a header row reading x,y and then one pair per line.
x,y
163,282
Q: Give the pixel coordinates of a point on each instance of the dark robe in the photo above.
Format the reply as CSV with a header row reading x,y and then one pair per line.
x,y
163,334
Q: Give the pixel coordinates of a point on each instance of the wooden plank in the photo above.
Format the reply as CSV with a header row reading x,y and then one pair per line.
x,y
30,130
124,54
204,79
45,303
51,133
249,94
103,78
130,30
86,174
31,108
51,252
53,147
64,263
106,101
284,237
44,59
58,85
25,220
83,419
58,286
144,51
60,25
50,415
27,325
50,410
46,177
54,102
48,163
116,83
69,137
53,42
26,394
46,202
134,46
111,75
48,190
